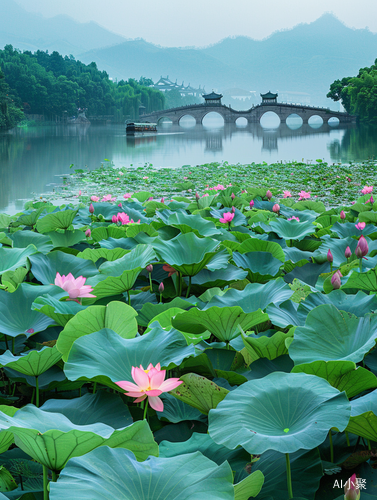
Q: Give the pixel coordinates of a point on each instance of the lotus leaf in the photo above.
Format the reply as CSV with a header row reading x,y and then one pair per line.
x,y
56,220
88,359
45,267
256,245
23,320
220,277
138,258
12,258
363,421
117,316
52,439
94,254
66,239
21,239
6,438
292,229
285,412
348,229
268,346
177,411
105,474
337,248
262,266
330,334
220,321
31,363
284,314
195,223
59,311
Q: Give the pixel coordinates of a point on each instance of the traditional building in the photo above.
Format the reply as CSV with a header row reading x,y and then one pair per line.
x,y
212,99
269,98
165,85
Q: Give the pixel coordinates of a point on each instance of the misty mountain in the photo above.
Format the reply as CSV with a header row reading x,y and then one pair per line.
x,y
28,31
307,58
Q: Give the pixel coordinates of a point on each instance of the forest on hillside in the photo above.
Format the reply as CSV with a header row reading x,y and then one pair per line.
x,y
358,94
52,85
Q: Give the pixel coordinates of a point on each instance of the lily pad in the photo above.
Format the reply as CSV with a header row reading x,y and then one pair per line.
x,y
12,258
32,363
363,421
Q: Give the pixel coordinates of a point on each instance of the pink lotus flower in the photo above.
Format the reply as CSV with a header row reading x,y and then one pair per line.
x,y
127,195
351,489
185,178
108,197
145,177
276,208
335,280
219,187
162,200
287,194
342,215
269,195
204,195
371,200
294,218
330,258
251,203
79,193
91,208
114,219
367,189
119,205
362,248
88,233
226,218
169,269
303,195
150,383
75,287
360,226
347,253
94,198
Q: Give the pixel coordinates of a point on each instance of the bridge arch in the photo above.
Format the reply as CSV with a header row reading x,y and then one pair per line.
x,y
242,121
269,119
294,121
213,119
333,121
186,120
164,119
315,120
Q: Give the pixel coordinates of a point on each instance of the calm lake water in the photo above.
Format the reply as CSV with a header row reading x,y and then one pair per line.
x,y
32,159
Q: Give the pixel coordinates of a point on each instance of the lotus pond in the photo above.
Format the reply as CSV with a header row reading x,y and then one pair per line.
x,y
208,332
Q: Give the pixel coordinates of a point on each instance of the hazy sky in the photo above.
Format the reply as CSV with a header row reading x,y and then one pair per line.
x,y
202,22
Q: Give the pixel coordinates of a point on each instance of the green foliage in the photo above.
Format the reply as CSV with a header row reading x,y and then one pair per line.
x,y
10,114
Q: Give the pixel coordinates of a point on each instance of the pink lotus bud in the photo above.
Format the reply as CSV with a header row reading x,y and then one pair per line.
x,y
347,253
91,208
162,200
120,205
161,287
351,489
360,226
232,196
335,281
251,203
149,268
114,219
269,195
342,215
362,248
233,210
88,233
276,208
197,196
330,258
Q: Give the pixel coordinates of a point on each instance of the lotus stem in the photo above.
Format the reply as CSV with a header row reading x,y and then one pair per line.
x,y
361,264
36,392
150,282
13,342
129,297
188,288
289,476
369,444
54,476
94,387
347,438
160,298
6,341
331,448
180,285
330,267
145,409
45,483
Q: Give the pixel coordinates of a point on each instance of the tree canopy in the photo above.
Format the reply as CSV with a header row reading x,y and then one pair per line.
x,y
358,94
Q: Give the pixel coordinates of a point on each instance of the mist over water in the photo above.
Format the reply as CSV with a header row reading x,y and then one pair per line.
x,y
33,160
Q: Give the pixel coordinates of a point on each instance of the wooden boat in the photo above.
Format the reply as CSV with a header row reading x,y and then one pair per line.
x,y
141,128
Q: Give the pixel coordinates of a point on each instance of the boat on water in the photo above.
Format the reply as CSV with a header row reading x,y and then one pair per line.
x,y
133,128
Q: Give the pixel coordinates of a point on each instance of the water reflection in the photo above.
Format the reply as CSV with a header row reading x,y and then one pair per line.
x,y
31,160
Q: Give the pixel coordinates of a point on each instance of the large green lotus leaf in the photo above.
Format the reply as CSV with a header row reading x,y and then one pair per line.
x,y
103,233
348,229
267,346
12,258
139,257
306,470
149,310
6,438
330,334
220,277
67,238
199,392
315,206
254,296
361,281
104,407
56,220
29,218
45,267
109,286
284,314
292,229
337,248
285,412
108,474
11,279
343,375
363,421
16,315
52,439
187,253
220,321
165,317
116,316
259,264
106,355
31,363
94,254
142,196
256,245
359,304
177,411
21,239
195,223
60,311
295,255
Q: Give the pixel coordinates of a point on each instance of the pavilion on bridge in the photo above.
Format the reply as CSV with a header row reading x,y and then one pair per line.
x,y
269,98
212,99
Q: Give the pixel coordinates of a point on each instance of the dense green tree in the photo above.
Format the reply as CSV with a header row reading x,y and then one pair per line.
x,y
358,94
53,86
10,114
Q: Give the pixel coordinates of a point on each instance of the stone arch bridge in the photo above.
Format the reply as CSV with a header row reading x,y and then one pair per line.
x,y
252,115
